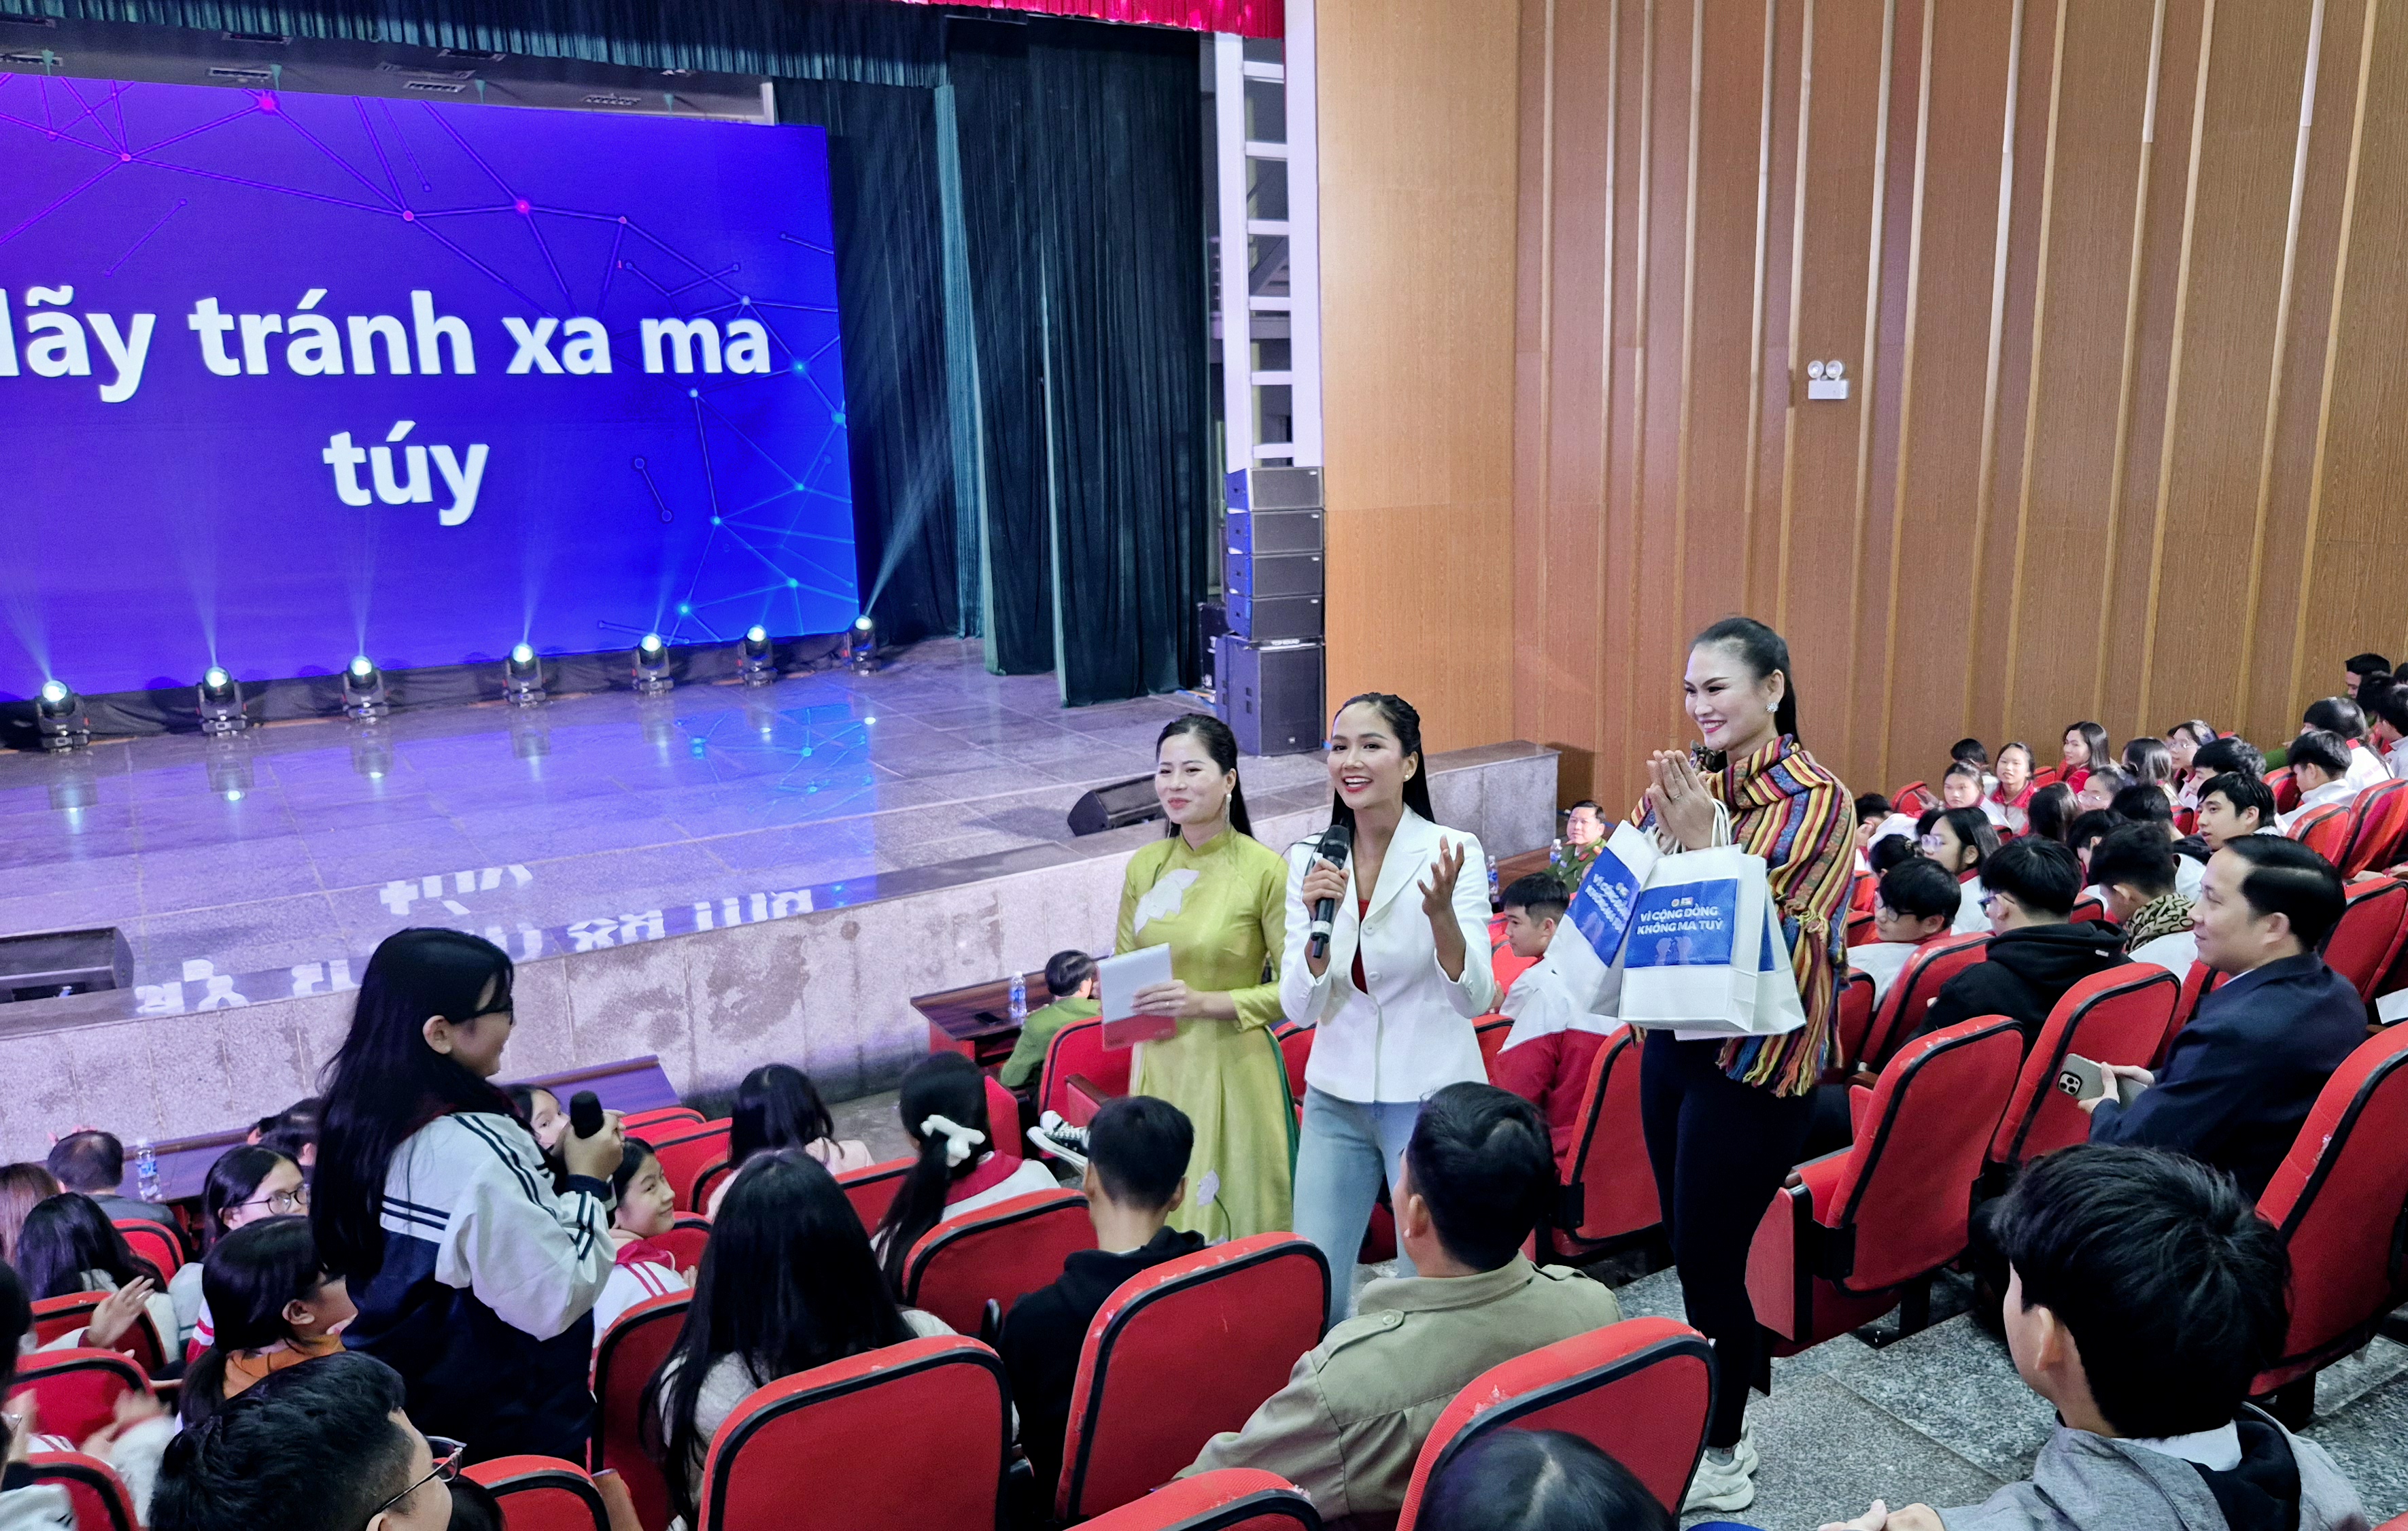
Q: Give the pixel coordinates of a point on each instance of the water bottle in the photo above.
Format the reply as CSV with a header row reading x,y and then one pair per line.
x,y
1019,1000
1492,887
145,1170
1555,856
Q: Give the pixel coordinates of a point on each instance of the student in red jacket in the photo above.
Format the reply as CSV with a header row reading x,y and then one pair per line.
x,y
1547,1054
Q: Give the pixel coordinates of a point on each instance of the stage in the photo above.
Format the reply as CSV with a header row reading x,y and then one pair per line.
x,y
719,876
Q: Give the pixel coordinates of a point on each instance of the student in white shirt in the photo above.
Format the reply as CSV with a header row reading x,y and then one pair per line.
x,y
964,1165
1917,903
2134,868
644,1267
1960,839
2339,715
2231,804
1964,787
2387,728
2321,765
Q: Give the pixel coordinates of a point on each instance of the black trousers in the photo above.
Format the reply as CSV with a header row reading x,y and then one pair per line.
x,y
1719,1149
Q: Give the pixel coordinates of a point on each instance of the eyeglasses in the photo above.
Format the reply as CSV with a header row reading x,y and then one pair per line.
x,y
1931,842
283,1203
447,1467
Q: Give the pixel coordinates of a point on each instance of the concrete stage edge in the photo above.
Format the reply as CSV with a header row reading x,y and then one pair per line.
x,y
828,991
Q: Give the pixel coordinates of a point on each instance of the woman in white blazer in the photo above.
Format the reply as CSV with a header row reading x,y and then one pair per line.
x,y
1406,971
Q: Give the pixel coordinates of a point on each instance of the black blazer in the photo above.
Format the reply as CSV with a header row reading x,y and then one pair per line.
x,y
2244,1075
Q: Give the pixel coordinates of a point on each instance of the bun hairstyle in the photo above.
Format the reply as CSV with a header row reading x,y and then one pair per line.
x,y
1222,745
1763,652
1406,725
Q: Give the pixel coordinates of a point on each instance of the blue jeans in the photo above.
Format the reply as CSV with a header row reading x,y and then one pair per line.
x,y
1347,1150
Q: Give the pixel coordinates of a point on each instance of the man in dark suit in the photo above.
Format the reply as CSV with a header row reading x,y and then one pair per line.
x,y
2244,1075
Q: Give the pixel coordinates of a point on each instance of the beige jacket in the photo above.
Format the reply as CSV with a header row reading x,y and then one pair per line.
x,y
1353,1416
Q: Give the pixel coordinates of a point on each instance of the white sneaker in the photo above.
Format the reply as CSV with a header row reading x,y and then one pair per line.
x,y
1719,1484
1745,1451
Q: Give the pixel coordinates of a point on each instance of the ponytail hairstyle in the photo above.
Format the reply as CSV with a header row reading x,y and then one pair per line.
x,y
234,1180
2149,760
1221,746
777,1105
247,1279
1406,725
1765,653
946,1085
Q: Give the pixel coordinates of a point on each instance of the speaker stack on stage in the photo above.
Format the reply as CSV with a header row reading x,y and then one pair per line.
x,y
1266,669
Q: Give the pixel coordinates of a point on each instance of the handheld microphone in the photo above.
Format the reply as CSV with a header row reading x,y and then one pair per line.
x,y
1337,844
585,1113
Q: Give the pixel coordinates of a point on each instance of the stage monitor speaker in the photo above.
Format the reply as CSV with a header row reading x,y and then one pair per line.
x,y
1267,578
1277,618
1270,696
1113,806
1260,532
1211,620
1274,489
65,962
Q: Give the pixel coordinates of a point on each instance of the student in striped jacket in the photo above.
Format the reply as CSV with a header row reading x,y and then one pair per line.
x,y
474,1277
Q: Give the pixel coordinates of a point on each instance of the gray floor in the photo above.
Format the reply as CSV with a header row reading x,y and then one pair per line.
x,y
308,842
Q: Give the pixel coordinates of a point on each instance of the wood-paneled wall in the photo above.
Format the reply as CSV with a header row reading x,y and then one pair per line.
x,y
2122,289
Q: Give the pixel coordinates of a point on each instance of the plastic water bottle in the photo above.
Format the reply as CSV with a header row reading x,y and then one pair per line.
x,y
145,1170
1492,887
1019,1000
1555,856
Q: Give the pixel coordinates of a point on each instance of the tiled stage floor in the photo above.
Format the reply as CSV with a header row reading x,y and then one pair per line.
x,y
307,842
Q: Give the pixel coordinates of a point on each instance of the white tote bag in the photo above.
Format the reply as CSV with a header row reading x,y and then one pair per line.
x,y
1590,964
1702,947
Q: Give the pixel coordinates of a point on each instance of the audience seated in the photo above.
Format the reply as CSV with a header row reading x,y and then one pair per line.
x,y
2035,954
788,1285
1585,823
2387,728
276,1304
2229,754
2092,826
2143,804
2051,812
293,1131
2183,743
315,1447
93,1163
1546,1056
1872,808
2085,749
1963,842
68,1244
646,1208
2244,1072
24,1505
2150,762
961,1168
2098,789
2011,792
1917,903
1070,976
2320,763
2356,667
1538,1481
1138,1149
2143,1296
2345,719
1476,1177
23,1186
2134,868
777,1105
245,1185
1967,786
2234,803
541,1110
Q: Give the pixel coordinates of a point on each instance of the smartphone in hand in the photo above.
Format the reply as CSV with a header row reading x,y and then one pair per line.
x,y
2082,1078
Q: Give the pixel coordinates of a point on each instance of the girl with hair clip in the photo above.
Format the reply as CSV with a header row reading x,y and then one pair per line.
x,y
777,1105
1725,1117
245,1185
281,1305
1218,898
961,1166
1394,994
475,1278
787,1283
2085,749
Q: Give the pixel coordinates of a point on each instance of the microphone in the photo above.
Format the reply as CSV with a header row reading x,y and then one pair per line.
x,y
1337,843
585,1113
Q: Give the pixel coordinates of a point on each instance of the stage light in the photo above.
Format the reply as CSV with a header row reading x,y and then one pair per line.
x,y
219,700
61,719
754,662
652,667
522,677
364,692
860,645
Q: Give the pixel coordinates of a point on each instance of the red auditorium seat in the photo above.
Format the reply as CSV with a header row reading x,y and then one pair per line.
x,y
2198,984
1490,1032
1003,1116
2323,829
1252,1306
1231,1499
672,1118
872,1189
78,1389
2086,909
2049,778
1078,1051
1852,1230
542,1494
911,1438
2337,1197
1863,888
1001,1251
2285,788
686,1152
1638,1390
1609,1190
2121,1016
705,1184
1861,931
1913,991
2378,828
631,1351
687,1239
97,1495
1856,1016
1296,1051
56,1316
1914,798
154,1243
2367,939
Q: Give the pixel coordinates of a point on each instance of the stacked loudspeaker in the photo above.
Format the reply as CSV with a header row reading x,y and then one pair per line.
x,y
1266,669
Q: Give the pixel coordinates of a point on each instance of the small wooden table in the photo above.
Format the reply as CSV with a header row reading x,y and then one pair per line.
x,y
976,1022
